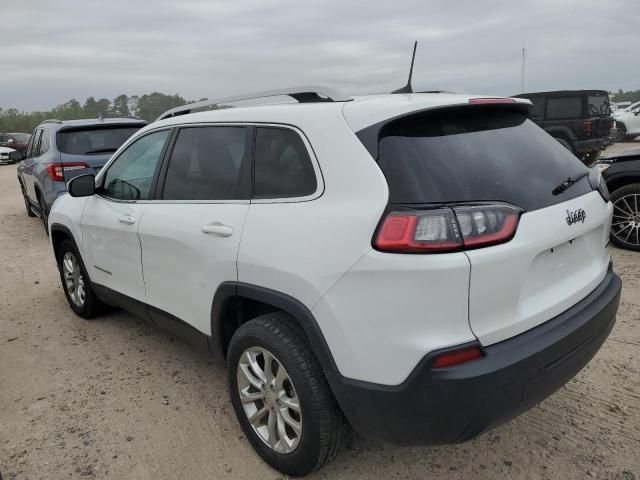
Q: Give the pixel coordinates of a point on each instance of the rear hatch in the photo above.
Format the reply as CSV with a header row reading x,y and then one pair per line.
x,y
86,149
493,154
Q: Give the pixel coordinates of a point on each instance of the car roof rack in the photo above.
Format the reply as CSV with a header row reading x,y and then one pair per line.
x,y
306,94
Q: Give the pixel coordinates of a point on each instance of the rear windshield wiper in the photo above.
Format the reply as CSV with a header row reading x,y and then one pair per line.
x,y
101,150
567,183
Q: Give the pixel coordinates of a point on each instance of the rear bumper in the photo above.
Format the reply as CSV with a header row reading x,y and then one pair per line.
x,y
454,404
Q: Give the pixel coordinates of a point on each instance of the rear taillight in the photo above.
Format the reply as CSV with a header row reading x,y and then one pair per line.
x,y
446,229
56,170
456,357
587,126
432,231
597,182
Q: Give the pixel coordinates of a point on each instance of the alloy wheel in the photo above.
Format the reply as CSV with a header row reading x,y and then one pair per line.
x,y
269,400
73,279
626,219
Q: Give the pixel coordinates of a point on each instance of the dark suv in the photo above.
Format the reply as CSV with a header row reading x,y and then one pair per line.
x,y
60,150
579,119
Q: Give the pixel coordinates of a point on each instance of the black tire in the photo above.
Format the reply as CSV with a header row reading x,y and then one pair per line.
x,y
27,204
44,214
92,306
323,425
565,144
623,215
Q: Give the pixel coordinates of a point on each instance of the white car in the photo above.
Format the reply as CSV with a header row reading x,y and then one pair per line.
x,y
421,267
4,155
628,122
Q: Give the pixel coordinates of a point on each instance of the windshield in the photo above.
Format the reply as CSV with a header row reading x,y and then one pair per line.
x,y
21,137
471,155
93,140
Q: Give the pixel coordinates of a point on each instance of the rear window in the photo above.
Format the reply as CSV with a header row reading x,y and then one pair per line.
x,y
470,155
599,105
21,137
93,141
564,107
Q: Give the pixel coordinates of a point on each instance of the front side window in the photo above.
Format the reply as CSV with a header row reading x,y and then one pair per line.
x,y
130,176
206,164
283,168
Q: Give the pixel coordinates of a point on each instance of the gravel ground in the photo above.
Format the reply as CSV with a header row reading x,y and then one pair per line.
x,y
114,398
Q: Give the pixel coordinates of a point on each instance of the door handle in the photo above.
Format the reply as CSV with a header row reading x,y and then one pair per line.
x,y
217,228
127,219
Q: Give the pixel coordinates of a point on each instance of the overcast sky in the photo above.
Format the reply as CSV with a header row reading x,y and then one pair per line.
x,y
54,51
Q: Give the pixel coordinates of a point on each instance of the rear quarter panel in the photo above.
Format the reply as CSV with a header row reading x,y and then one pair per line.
x,y
301,248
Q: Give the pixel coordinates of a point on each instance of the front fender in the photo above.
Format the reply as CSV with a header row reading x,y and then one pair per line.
x,y
66,215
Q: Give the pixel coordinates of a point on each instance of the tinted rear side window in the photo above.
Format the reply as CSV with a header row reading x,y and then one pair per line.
x,y
44,142
538,106
565,107
470,155
206,164
93,141
283,167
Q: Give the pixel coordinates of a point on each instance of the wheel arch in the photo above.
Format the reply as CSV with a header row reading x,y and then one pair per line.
x,y
235,303
622,180
60,233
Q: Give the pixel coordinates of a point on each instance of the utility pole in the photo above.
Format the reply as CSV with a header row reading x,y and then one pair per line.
x,y
524,59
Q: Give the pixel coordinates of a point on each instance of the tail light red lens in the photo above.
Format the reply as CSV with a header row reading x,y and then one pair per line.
x,y
446,229
456,357
587,126
56,170
434,230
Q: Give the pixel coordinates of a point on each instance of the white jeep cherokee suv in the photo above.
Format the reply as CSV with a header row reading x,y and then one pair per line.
x,y
421,266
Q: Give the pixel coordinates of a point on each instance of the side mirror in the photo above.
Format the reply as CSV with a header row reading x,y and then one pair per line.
x,y
82,186
16,156
11,140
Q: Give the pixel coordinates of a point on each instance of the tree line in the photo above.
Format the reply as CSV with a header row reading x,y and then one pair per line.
x,y
148,106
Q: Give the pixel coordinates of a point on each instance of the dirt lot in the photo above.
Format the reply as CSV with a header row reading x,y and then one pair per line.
x,y
114,398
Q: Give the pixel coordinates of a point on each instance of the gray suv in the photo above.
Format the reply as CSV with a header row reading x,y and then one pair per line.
x,y
60,150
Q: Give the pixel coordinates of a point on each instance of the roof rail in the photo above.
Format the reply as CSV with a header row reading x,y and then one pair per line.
x,y
51,120
306,94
